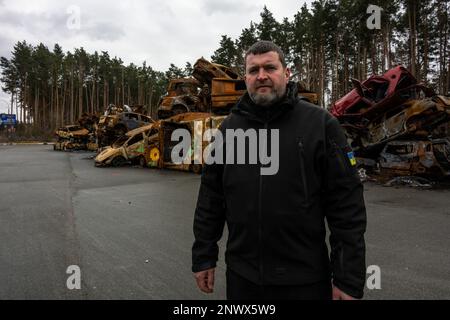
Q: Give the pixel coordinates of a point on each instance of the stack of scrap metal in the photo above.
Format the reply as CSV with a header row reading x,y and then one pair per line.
x,y
117,121
78,137
398,122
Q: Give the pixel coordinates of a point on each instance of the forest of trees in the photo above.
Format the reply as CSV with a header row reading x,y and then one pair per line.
x,y
325,47
329,44
53,88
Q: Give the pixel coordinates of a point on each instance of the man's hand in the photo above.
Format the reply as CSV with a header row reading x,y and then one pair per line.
x,y
205,280
340,295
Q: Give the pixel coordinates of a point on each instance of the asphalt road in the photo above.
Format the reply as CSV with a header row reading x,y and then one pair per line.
x,y
130,232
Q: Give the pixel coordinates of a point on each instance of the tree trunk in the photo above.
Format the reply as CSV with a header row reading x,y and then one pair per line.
x,y
92,93
57,108
123,89
335,83
80,91
36,117
129,94
412,36
63,109
87,98
97,102
51,116
72,91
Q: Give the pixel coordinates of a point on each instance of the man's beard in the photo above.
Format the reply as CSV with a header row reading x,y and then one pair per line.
x,y
267,99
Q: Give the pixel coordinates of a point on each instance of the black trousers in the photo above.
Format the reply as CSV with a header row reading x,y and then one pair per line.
x,y
239,288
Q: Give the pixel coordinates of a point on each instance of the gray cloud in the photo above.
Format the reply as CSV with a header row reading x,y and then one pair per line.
x,y
39,24
6,46
104,31
226,7
161,32
157,31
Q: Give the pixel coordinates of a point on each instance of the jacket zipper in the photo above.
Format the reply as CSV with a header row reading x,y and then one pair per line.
x,y
301,151
261,260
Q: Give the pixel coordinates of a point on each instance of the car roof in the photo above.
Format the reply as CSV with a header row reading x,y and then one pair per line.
x,y
139,130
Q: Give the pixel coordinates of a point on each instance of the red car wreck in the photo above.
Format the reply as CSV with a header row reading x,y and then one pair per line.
x,y
388,107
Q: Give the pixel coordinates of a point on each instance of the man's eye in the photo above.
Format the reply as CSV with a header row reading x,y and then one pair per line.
x,y
252,71
271,68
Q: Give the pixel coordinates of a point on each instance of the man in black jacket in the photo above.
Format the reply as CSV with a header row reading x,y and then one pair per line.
x,y
276,245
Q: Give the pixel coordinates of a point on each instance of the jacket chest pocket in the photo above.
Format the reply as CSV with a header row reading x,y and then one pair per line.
x,y
303,170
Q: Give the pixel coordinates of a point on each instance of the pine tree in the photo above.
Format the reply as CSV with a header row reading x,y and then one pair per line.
x,y
268,27
227,52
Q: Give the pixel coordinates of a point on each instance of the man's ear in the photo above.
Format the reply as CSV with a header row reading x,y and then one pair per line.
x,y
287,74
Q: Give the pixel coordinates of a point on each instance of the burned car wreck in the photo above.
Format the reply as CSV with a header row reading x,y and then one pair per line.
x,y
387,107
117,121
422,158
213,88
128,148
71,137
77,137
394,111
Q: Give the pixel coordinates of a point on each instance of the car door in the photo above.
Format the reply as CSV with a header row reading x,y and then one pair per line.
x,y
135,146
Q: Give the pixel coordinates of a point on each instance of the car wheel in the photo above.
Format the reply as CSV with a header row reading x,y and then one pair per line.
x,y
118,161
142,162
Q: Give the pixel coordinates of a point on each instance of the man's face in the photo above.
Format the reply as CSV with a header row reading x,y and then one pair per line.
x,y
266,78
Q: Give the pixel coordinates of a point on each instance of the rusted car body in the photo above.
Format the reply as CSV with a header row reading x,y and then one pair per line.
x,y
416,117
130,147
113,125
182,96
305,94
160,144
373,96
225,93
89,121
72,137
205,71
421,157
214,88
388,107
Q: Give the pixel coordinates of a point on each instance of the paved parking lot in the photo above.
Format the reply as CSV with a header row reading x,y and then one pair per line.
x,y
130,232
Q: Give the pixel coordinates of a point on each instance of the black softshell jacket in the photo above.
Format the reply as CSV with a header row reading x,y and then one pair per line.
x,y
276,223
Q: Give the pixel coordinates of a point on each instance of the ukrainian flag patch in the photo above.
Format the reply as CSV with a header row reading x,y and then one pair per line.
x,y
351,157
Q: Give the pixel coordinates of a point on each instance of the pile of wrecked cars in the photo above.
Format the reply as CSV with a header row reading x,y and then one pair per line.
x,y
117,121
125,135
397,125
151,145
77,137
213,88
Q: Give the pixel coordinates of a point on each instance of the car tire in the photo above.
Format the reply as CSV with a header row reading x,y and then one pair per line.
x,y
142,162
118,161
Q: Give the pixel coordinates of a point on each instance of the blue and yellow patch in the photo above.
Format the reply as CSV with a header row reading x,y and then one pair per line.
x,y
351,157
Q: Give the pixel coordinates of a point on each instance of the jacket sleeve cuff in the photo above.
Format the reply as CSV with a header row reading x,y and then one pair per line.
x,y
203,266
350,290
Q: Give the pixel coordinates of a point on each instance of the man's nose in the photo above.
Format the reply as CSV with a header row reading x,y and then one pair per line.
x,y
262,75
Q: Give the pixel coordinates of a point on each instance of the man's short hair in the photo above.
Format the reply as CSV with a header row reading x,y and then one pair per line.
x,y
264,46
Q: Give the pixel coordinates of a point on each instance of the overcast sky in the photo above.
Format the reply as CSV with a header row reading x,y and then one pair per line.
x,y
157,31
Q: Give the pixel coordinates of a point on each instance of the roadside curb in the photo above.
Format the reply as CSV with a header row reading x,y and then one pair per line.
x,y
25,143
